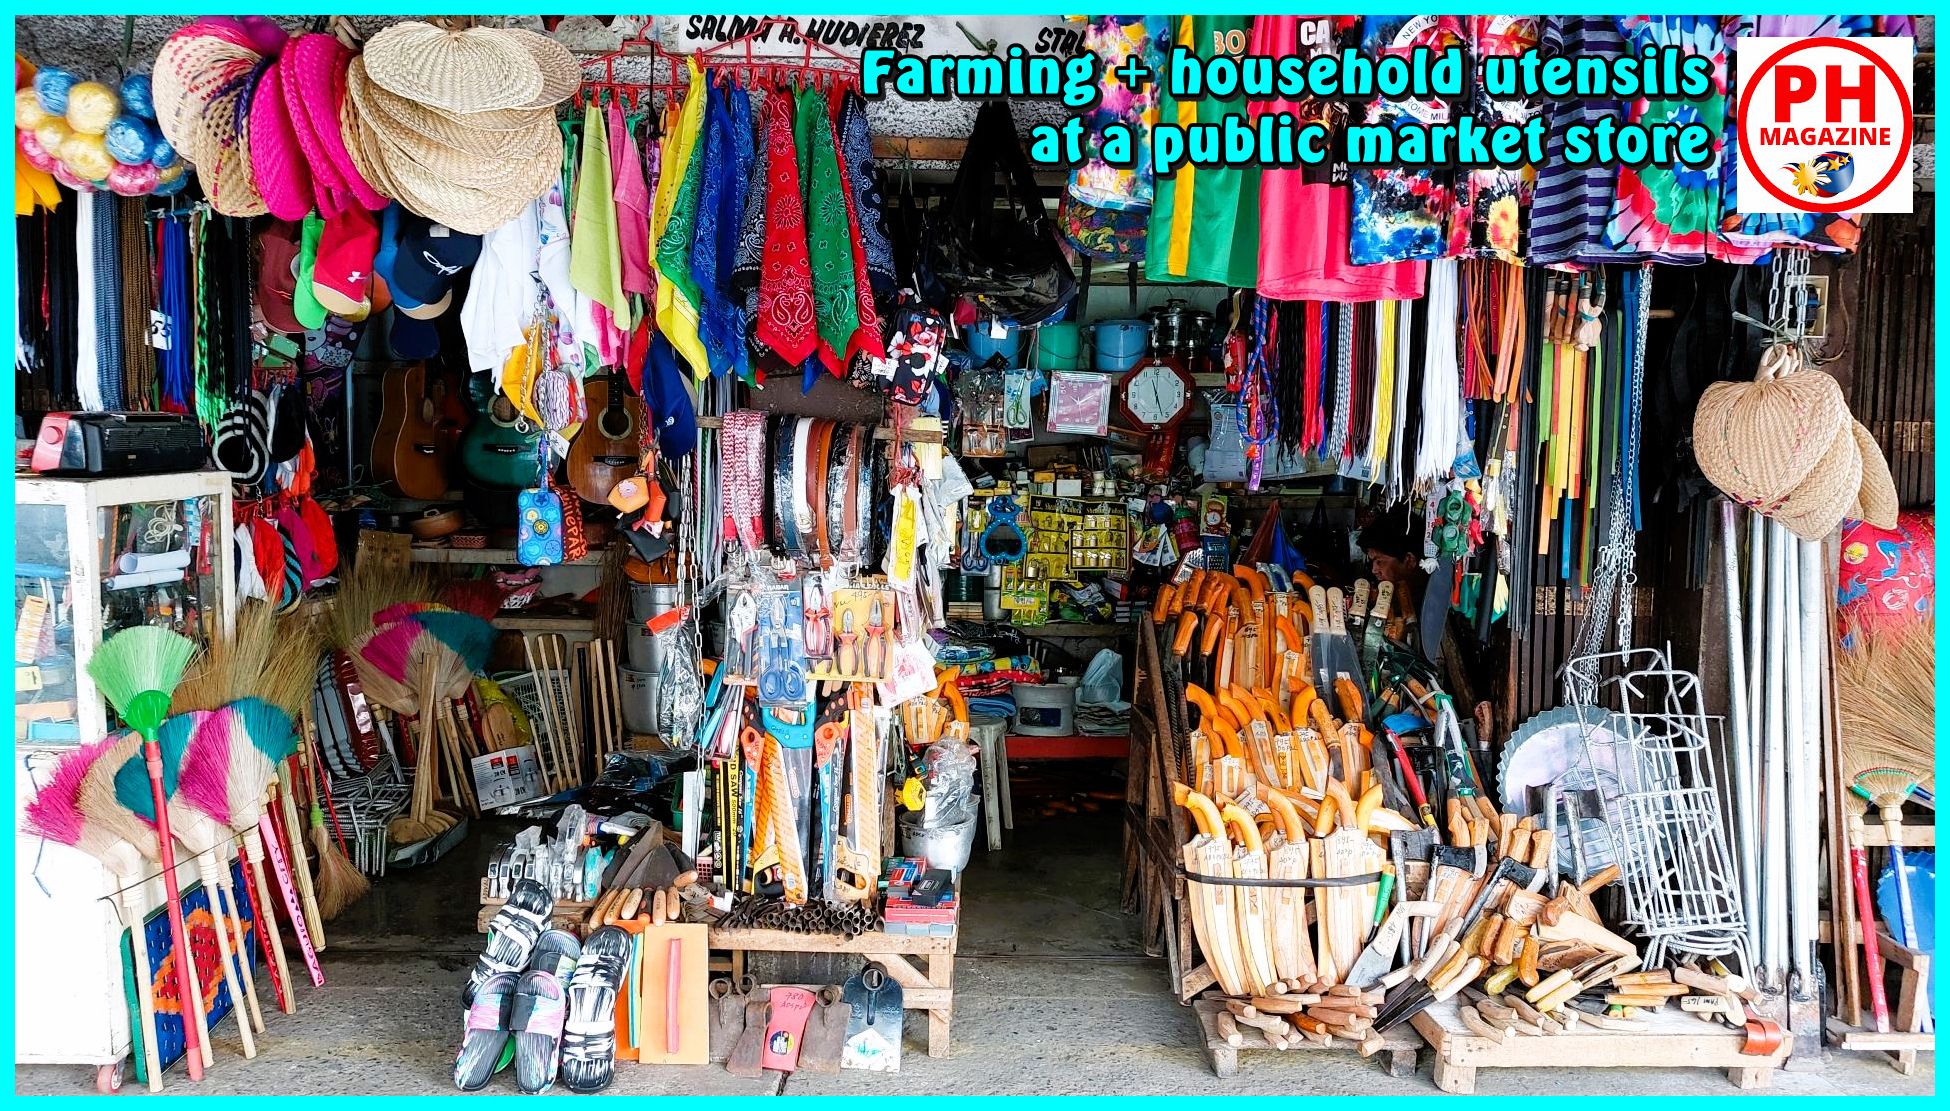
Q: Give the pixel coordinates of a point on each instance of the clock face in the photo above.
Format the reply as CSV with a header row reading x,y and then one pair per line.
x,y
1155,394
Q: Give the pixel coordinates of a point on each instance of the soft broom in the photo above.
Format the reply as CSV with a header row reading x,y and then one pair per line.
x,y
340,883
202,836
202,789
55,813
260,740
136,669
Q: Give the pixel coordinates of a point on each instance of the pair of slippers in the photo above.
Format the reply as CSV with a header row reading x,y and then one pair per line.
x,y
538,996
518,1018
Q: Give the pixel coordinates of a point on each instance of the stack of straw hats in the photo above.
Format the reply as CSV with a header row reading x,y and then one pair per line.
x,y
459,125
1786,446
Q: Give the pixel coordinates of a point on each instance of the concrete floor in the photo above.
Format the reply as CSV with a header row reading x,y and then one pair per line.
x,y
1053,997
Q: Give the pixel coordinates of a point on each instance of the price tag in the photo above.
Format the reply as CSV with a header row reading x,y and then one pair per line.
x,y
161,331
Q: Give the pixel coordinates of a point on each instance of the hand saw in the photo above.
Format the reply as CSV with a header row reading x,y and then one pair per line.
x,y
857,863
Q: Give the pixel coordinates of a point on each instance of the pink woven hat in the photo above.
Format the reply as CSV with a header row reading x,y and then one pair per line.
x,y
314,90
278,164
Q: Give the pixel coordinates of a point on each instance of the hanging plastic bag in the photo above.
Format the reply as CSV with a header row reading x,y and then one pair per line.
x,y
1103,680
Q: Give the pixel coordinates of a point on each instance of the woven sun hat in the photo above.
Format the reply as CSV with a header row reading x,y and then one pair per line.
x,y
561,73
225,169
361,145
277,162
476,70
1876,500
192,66
1816,507
314,86
1758,441
475,211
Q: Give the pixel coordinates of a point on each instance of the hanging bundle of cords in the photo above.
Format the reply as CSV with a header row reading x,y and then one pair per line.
x,y
174,292
1442,419
1258,409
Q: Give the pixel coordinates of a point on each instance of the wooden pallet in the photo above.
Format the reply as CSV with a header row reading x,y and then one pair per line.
x,y
932,991
1400,1044
1670,1040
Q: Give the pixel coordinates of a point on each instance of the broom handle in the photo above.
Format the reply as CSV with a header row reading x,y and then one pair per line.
x,y
1858,867
208,869
234,914
145,987
282,868
179,934
267,923
294,837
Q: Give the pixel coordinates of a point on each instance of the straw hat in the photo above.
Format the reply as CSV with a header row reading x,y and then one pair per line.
x,y
277,163
1816,507
1759,440
314,87
475,70
474,211
193,67
226,163
561,73
1877,502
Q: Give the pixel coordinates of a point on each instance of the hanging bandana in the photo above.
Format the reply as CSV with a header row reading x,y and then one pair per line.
x,y
829,235
785,297
678,295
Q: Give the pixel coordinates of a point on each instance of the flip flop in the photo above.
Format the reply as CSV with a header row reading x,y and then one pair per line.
x,y
536,1021
511,935
485,1033
556,953
589,1033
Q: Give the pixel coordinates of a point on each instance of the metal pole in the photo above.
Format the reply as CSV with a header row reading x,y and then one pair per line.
x,y
1805,822
1774,885
1740,734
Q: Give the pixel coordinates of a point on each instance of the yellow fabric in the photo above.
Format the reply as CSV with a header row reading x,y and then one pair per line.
x,y
33,189
1178,255
676,315
595,256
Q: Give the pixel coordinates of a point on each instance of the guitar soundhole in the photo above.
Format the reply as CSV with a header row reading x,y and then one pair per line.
x,y
615,423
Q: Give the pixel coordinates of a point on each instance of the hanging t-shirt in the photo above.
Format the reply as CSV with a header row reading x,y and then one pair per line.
x,y
1667,213
1494,200
1404,213
1570,203
1305,211
1205,220
1751,237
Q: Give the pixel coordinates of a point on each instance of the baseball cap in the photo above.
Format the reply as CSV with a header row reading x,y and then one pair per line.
x,y
427,257
671,409
342,274
305,306
277,277
411,338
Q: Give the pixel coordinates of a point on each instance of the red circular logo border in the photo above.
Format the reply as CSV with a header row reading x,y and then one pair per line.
x,y
1902,95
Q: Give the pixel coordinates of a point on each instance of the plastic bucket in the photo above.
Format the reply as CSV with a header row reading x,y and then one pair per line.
x,y
639,700
941,846
1059,346
1120,344
984,344
1049,710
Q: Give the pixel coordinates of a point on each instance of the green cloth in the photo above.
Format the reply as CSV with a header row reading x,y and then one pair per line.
x,y
829,234
305,307
1217,238
677,291
595,256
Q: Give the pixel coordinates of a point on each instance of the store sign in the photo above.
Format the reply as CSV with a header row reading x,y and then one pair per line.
x,y
927,35
1826,124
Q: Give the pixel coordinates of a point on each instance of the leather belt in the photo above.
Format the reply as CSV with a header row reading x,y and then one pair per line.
x,y
818,467
836,503
742,469
782,474
858,441
802,517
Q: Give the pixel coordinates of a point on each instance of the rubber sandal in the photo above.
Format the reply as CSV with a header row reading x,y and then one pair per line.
x,y
556,953
485,1033
511,934
536,1022
589,1032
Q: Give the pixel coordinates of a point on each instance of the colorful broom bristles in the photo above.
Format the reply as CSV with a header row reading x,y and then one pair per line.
x,y
132,788
203,768
55,813
467,636
389,649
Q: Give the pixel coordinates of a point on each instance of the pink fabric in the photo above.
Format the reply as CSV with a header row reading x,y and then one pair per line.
x,y
277,164
632,204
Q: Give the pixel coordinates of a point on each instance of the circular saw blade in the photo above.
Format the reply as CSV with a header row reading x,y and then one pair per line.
x,y
1557,749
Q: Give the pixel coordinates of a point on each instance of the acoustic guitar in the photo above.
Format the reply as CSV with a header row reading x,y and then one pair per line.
x,y
607,448
413,445
498,449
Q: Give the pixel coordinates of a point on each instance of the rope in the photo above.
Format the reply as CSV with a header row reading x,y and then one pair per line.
x,y
1435,451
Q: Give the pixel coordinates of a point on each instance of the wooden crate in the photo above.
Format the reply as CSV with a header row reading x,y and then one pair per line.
x,y
1399,1045
1670,1040
568,914
932,991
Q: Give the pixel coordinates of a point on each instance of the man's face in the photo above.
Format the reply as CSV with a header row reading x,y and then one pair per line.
x,y
1388,568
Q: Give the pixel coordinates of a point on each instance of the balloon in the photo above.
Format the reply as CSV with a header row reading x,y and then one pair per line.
x,y
67,177
162,153
130,139
52,85
133,181
173,186
86,155
27,110
138,96
91,106
52,133
34,154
